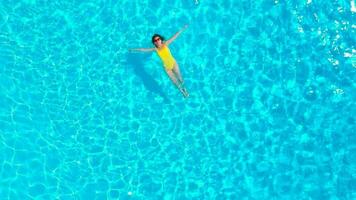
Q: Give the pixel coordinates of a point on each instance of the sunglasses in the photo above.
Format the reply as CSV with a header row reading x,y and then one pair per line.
x,y
155,40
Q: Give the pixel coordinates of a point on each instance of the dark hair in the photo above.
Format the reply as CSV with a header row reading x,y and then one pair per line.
x,y
157,35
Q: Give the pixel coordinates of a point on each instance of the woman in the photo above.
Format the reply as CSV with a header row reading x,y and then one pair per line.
x,y
170,64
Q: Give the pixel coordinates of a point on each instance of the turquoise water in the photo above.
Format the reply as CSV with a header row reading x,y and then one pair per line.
x,y
271,112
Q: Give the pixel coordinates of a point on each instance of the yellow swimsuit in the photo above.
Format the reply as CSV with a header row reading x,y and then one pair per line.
x,y
166,57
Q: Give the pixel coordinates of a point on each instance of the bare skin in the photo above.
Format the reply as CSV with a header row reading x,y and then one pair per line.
x,y
177,79
174,74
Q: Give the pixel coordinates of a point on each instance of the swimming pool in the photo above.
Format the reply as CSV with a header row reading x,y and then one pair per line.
x,y
271,112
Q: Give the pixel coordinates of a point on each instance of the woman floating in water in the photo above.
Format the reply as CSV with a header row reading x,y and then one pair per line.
x,y
170,64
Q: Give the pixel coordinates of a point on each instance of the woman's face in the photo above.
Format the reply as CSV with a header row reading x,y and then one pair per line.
x,y
157,41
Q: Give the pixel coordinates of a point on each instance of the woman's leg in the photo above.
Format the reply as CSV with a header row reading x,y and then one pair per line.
x,y
173,77
177,73
176,82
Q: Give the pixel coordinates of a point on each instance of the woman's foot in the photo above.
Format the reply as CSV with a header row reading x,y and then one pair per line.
x,y
184,92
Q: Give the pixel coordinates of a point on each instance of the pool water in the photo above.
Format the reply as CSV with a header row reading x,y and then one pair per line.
x,y
271,112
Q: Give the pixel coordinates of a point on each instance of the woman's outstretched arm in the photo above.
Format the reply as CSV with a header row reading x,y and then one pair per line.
x,y
142,49
176,35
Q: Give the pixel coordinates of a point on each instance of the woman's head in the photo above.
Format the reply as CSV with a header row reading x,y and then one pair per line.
x,y
157,39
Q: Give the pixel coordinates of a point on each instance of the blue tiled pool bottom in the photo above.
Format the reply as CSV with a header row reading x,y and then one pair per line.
x,y
270,116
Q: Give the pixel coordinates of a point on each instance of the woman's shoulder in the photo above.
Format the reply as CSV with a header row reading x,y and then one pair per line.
x,y
165,45
162,47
